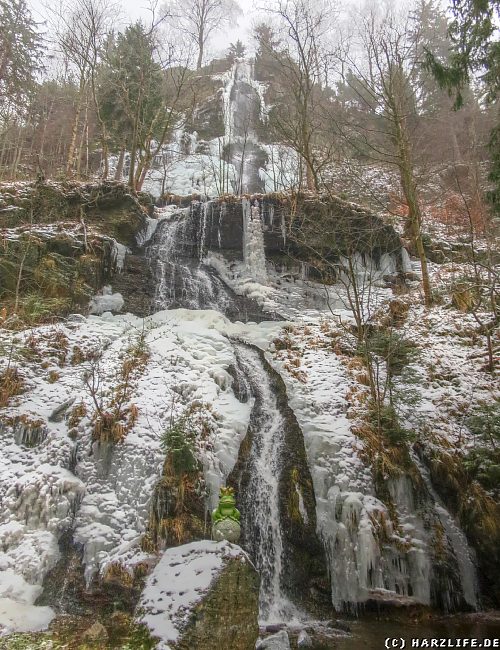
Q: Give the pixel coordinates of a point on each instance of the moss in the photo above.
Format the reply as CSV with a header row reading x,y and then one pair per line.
x,y
294,498
226,618
66,633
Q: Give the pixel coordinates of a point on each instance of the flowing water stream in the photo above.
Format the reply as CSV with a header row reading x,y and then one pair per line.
x,y
260,501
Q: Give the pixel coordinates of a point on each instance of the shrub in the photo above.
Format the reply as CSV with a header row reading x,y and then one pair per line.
x,y
485,423
396,350
11,383
114,415
177,442
483,461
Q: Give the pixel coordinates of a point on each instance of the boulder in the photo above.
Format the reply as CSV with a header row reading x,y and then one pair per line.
x,y
95,633
203,595
278,641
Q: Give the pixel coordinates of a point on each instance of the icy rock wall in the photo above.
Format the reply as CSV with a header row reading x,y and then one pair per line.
x,y
369,556
39,499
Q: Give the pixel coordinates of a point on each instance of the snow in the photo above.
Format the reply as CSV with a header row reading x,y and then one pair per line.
x,y
281,172
197,173
179,581
105,499
21,617
37,507
108,301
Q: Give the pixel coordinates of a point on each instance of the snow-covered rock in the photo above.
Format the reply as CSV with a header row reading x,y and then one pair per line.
x,y
212,578
278,641
108,301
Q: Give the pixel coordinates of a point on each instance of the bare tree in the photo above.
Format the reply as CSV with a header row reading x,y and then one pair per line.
x,y
81,28
301,84
199,19
385,77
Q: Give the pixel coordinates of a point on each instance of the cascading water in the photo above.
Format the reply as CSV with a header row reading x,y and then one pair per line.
x,y
242,115
182,280
260,502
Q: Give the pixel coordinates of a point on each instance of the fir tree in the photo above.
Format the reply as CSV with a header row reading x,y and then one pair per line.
x,y
20,55
132,95
475,50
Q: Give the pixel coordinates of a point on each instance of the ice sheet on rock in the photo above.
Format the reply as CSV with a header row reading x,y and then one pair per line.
x,y
345,494
37,506
203,174
107,301
254,255
190,357
181,578
119,252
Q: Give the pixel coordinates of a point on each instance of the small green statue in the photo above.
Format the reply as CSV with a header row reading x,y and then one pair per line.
x,y
226,517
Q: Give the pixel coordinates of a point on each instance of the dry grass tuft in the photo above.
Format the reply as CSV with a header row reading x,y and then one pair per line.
x,y
11,384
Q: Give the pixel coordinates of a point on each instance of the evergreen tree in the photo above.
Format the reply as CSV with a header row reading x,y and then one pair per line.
x,y
236,50
475,50
132,96
20,55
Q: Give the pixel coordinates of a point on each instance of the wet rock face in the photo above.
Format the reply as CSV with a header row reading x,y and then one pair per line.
x,y
136,284
305,562
304,577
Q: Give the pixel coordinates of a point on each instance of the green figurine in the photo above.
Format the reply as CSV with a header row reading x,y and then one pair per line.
x,y
226,517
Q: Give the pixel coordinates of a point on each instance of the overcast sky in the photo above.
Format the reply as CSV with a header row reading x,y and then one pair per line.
x,y
132,10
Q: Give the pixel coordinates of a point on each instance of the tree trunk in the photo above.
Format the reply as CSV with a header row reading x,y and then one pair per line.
x,y
119,166
82,143
415,222
200,49
408,185
131,171
74,130
310,178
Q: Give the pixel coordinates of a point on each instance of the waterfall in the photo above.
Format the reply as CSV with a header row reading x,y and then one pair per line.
x,y
462,552
242,109
254,254
260,503
182,280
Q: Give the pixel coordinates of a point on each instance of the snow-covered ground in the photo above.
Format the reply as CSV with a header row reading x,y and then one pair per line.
x,y
108,508
60,482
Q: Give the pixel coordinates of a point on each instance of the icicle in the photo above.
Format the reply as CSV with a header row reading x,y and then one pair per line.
x,y
118,255
203,229
406,261
283,227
